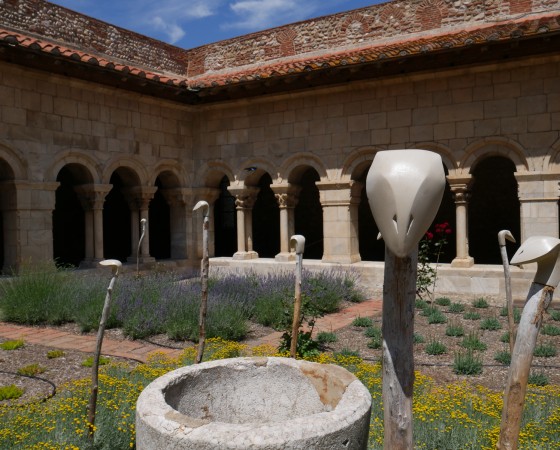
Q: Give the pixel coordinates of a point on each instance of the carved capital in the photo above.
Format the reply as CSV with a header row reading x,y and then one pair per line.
x,y
287,200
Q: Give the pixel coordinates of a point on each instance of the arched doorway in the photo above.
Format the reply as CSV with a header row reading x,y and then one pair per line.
x,y
69,217
8,236
225,229
494,206
308,214
266,220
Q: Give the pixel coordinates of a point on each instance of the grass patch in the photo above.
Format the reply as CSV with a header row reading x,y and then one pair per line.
x,y
505,337
346,352
428,310
443,301
437,317
555,314
52,354
88,362
375,335
516,313
480,303
472,342
363,322
471,315
10,392
326,337
31,370
418,338
456,308
455,330
537,379
491,323
503,357
550,330
545,351
12,345
435,347
467,363
420,303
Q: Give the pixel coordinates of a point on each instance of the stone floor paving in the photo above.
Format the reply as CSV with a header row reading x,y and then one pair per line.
x,y
139,350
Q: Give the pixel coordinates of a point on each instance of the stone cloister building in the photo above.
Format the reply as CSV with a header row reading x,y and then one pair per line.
x,y
100,127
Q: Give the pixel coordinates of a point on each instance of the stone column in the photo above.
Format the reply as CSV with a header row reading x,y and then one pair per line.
x,y
287,197
340,201
538,197
461,196
245,198
139,198
92,198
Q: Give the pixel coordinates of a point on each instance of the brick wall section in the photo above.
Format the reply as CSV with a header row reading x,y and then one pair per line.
x,y
383,22
56,23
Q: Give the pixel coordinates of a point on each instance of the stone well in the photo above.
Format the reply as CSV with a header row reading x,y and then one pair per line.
x,y
254,403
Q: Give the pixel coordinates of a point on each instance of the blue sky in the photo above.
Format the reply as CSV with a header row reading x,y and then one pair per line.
x,y
190,23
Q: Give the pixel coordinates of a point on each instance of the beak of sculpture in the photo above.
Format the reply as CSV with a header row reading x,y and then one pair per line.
x,y
115,265
503,235
545,251
405,188
204,205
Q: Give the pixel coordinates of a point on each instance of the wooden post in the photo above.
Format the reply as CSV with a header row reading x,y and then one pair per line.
x,y
205,264
538,300
502,236
143,226
100,332
399,291
298,242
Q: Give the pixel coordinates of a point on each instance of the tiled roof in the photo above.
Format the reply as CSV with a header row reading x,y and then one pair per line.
x,y
394,49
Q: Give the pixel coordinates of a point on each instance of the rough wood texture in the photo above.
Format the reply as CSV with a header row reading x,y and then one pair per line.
x,y
538,300
399,292
297,307
204,290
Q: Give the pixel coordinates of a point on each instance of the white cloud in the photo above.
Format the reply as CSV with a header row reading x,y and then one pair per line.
x,y
173,31
259,14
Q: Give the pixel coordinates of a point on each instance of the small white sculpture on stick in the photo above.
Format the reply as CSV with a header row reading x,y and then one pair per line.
x,y
297,242
205,265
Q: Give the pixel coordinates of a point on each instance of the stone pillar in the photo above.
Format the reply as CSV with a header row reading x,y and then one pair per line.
x,y
30,213
287,197
340,202
139,198
92,197
461,196
245,198
538,197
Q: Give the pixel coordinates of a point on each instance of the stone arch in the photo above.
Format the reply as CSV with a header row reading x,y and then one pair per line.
x,y
130,169
446,155
552,158
251,171
213,172
173,170
17,164
496,146
291,169
74,158
352,167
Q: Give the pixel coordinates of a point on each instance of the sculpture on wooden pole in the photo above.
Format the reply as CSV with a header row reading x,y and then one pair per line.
x,y
404,189
545,251
502,236
297,242
204,268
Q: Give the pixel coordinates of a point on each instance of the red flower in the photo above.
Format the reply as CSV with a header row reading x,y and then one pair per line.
x,y
429,235
448,231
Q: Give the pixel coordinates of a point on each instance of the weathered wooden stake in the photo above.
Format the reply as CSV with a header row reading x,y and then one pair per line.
x,y
545,251
298,243
203,280
115,265
399,292
502,236
143,226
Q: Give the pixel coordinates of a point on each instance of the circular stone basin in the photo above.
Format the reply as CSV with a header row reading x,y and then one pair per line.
x,y
254,403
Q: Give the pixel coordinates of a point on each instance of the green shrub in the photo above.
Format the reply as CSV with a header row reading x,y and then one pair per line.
x,y
550,330
443,301
473,342
12,345
555,314
503,357
467,363
516,313
347,352
480,303
435,347
326,337
428,310
373,331
505,337
490,323
306,346
455,330
418,339
437,317
456,308
10,392
471,315
538,379
31,370
362,322
420,303
52,354
88,362
545,351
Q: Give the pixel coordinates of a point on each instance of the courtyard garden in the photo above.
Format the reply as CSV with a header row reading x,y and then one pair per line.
x,y
461,355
